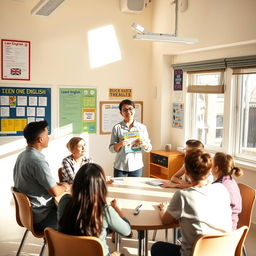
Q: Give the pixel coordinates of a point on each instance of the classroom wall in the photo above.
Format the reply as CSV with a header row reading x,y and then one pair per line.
x,y
60,57
224,29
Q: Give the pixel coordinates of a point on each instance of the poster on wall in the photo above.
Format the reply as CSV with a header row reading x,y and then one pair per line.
x,y
15,60
110,115
177,115
119,93
178,80
77,110
22,105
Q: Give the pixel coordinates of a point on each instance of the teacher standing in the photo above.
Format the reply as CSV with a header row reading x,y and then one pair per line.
x,y
128,139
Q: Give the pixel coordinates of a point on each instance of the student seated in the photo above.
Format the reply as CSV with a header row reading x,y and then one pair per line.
x,y
200,209
32,176
223,169
86,212
179,179
72,163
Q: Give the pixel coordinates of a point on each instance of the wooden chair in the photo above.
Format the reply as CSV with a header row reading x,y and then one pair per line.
x,y
227,244
248,200
60,244
24,217
60,174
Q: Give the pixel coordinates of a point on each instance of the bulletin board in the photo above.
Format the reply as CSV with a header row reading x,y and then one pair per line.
x,y
77,110
22,105
110,115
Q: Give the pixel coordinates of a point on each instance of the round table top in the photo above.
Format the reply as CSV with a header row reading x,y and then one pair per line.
x,y
132,191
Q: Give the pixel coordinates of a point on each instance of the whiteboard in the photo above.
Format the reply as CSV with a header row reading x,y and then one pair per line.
x,y
110,115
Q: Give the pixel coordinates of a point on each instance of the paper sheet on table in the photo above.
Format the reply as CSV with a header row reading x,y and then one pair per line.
x,y
118,181
155,182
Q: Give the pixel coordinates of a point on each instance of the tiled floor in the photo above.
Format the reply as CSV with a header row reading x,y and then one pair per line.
x,y
11,234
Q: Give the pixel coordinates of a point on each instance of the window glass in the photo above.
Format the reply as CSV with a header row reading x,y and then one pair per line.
x,y
211,78
207,111
246,123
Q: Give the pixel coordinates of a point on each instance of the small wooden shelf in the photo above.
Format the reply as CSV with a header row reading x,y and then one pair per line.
x,y
163,164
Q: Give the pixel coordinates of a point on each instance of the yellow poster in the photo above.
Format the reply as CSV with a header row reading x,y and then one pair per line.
x,y
119,93
13,125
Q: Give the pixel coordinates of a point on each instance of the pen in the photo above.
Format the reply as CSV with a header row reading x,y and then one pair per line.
x,y
137,209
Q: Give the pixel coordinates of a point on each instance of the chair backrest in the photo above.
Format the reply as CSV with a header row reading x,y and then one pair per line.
x,y
60,244
17,212
228,244
60,174
248,199
24,214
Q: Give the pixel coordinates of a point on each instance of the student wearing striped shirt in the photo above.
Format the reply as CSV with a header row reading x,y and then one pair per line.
x,y
72,163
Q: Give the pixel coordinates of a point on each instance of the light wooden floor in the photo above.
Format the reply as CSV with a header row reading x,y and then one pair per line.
x,y
11,234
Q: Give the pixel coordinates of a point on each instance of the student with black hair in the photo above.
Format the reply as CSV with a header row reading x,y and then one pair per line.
x,y
32,176
128,164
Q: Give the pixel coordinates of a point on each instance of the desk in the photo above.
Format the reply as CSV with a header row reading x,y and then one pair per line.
x,y
133,191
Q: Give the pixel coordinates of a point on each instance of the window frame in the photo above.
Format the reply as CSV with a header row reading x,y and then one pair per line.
x,y
238,118
191,114
231,114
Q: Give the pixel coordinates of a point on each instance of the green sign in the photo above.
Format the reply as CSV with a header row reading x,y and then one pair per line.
x,y
77,110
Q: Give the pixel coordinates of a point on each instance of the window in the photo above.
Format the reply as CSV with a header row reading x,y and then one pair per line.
x,y
207,110
224,120
245,84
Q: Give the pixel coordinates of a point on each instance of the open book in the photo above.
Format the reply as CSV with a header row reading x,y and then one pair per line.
x,y
130,138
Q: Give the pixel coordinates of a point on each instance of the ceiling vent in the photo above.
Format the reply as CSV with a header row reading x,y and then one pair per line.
x,y
132,6
46,7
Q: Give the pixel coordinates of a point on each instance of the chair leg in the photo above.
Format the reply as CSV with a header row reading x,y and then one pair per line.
x,y
42,249
244,251
22,242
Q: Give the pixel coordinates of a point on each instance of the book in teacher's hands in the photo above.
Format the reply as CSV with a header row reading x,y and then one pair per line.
x,y
130,138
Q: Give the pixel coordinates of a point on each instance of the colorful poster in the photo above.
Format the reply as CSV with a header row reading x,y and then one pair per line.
x,y
130,139
178,79
77,110
15,60
22,105
177,115
110,115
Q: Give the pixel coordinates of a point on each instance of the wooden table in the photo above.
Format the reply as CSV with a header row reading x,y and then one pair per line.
x,y
130,192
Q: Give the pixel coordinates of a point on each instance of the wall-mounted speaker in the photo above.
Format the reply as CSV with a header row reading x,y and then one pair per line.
x,y
132,6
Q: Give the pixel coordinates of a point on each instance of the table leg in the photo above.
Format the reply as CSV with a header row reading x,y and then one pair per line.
x,y
166,235
140,240
117,241
146,243
154,235
174,235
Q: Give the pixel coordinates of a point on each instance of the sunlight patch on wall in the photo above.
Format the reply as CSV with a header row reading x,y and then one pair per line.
x,y
103,46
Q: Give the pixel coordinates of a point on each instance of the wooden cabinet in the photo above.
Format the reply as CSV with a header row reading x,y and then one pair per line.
x,y
163,164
